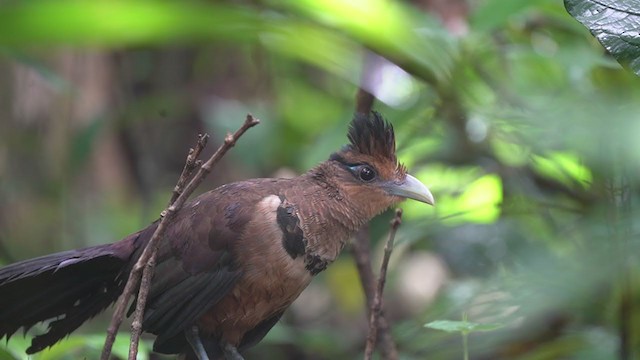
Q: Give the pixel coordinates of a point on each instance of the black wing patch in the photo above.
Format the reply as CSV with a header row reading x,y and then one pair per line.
x,y
292,236
315,264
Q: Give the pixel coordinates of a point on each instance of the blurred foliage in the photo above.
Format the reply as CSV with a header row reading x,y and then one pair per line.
x,y
74,347
525,130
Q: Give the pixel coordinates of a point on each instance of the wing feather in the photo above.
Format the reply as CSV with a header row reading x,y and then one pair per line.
x,y
196,265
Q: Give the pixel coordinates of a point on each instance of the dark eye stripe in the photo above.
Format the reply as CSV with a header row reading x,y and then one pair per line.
x,y
354,168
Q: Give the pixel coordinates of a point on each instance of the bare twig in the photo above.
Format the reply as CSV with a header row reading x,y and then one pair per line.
x,y
360,251
190,165
142,265
376,306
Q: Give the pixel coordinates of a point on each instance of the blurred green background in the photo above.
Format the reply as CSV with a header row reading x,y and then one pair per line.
x,y
523,128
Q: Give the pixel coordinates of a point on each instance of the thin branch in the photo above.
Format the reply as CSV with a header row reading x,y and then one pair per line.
x,y
361,253
141,303
151,247
376,307
190,165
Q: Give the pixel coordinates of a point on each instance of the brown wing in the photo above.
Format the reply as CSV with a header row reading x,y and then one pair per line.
x,y
196,266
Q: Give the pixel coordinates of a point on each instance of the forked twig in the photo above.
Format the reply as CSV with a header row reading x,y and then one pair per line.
x,y
145,263
190,165
192,162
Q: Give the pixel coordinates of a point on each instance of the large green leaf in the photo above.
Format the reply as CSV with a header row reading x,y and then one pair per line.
x,y
117,23
401,34
615,23
332,40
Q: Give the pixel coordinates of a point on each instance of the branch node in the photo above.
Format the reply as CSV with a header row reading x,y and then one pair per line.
x,y
228,139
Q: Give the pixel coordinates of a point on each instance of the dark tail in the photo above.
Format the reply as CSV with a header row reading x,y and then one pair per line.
x,y
68,288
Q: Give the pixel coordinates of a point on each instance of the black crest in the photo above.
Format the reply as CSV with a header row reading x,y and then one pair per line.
x,y
372,135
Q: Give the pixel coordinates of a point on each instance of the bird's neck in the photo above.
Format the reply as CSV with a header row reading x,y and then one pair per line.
x,y
328,216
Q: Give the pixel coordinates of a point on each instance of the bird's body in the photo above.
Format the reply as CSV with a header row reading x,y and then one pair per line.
x,y
232,260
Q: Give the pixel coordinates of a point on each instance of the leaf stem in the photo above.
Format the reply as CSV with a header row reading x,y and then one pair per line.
x,y
465,344
465,338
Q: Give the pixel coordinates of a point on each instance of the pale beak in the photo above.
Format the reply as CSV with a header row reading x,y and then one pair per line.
x,y
411,188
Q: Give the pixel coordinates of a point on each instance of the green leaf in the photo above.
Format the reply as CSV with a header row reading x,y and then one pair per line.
x,y
465,195
125,23
461,326
121,22
564,167
332,40
399,33
615,24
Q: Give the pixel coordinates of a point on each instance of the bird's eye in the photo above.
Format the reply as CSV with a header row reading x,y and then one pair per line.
x,y
367,173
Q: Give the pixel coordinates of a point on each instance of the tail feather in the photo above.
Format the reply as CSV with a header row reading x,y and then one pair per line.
x,y
67,288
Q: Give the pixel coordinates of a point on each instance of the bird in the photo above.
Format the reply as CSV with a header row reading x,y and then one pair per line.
x,y
232,260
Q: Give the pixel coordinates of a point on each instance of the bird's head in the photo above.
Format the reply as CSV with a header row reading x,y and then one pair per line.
x,y
368,171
